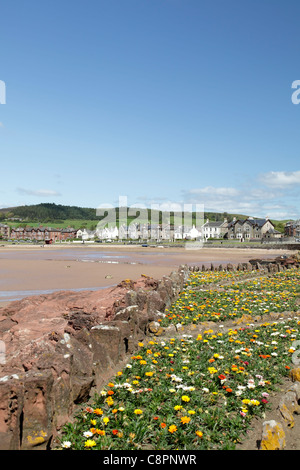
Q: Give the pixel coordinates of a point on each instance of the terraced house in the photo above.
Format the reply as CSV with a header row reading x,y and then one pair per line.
x,y
4,231
292,228
250,228
213,229
46,234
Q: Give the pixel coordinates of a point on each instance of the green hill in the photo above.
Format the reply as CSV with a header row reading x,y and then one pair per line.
x,y
50,212
62,215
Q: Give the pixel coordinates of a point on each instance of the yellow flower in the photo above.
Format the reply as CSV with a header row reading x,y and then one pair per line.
x,y
138,412
89,443
172,428
105,420
199,433
93,422
177,407
254,402
246,401
185,398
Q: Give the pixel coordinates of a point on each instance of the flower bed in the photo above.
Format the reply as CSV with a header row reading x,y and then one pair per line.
x,y
253,297
287,281
191,392
200,278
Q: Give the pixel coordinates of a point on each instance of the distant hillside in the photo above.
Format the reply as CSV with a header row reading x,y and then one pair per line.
x,y
51,213
48,212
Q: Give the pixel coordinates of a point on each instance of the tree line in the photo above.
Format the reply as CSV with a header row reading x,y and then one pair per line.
x,y
51,212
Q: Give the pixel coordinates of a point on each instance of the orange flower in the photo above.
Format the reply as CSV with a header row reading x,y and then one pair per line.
x,y
115,432
97,431
110,392
163,425
185,419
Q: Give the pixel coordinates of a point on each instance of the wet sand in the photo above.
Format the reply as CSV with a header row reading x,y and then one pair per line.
x,y
30,270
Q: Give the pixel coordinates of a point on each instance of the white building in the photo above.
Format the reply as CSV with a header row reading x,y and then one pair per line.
x,y
107,233
182,232
85,234
214,229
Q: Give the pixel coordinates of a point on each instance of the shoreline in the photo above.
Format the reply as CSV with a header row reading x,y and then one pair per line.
x,y
26,269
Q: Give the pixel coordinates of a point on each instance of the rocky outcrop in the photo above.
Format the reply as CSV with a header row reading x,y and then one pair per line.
x,y
57,349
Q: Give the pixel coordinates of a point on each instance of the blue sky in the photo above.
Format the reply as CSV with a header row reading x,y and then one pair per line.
x,y
165,101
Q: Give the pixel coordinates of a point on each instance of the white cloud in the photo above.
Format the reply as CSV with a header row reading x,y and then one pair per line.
x,y
222,192
280,179
39,192
253,201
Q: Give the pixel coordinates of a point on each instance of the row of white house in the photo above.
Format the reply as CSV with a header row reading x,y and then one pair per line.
x,y
246,229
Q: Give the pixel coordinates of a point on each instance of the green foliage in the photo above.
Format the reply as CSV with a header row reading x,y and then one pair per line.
x,y
49,212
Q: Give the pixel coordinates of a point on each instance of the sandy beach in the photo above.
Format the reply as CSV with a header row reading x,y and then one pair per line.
x,y
29,270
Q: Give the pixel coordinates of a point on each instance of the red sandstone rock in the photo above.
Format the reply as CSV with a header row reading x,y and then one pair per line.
x,y
59,347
